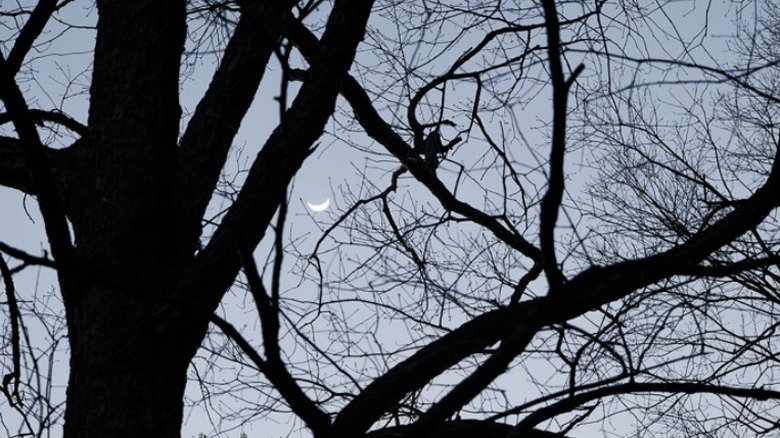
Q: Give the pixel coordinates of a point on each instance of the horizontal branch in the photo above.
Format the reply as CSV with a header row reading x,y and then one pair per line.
x,y
463,429
570,403
53,116
25,257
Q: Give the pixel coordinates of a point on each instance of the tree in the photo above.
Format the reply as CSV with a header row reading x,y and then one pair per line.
x,y
484,243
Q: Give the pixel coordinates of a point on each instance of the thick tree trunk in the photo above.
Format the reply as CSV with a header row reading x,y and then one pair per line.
x,y
131,397
128,367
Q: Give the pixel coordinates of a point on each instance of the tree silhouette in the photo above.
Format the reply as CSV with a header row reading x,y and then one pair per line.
x,y
566,217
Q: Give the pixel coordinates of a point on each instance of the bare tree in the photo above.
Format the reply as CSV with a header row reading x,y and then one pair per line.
x,y
566,217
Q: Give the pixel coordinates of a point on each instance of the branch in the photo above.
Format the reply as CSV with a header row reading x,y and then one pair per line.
x,y
215,268
470,54
451,73
276,371
570,403
597,285
551,202
314,418
463,429
725,75
384,134
587,291
54,116
512,345
26,258
51,207
13,316
415,372
206,142
29,33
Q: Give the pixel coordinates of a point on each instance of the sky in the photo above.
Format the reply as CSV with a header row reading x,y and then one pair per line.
x,y
60,80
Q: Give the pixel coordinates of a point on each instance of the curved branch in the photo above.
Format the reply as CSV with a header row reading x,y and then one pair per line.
x,y
13,315
570,403
451,73
268,309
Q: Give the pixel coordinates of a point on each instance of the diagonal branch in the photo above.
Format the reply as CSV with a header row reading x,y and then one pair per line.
x,y
588,291
206,142
244,225
383,393
29,33
600,285
512,344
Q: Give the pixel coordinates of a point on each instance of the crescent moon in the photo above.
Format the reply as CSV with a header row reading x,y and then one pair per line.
x,y
319,207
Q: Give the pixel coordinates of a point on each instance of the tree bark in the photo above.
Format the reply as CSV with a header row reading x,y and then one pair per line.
x,y
129,355
128,367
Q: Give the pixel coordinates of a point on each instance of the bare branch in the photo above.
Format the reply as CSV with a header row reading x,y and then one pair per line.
x,y
206,142
35,154
29,33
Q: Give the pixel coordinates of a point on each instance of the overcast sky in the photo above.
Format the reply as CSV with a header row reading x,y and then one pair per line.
x,y
335,168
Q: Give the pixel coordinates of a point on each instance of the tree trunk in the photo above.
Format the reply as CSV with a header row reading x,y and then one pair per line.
x,y
128,368
129,360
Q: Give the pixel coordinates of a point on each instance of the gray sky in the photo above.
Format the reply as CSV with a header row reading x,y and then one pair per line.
x,y
61,81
